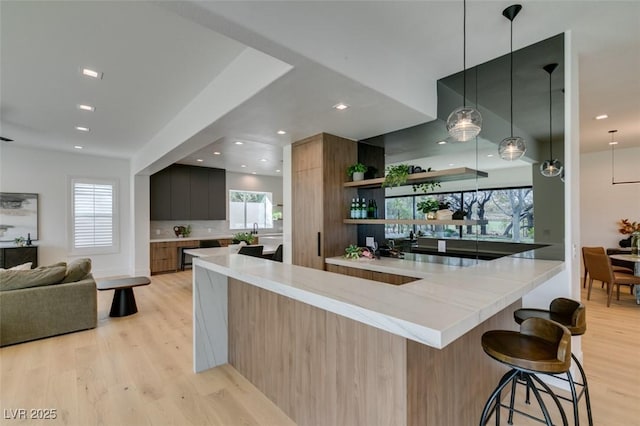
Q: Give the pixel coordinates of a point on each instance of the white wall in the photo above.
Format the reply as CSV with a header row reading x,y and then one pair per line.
x,y
47,173
602,204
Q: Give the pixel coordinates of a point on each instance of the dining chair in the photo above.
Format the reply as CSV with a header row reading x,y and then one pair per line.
x,y
255,251
210,243
599,266
277,256
616,268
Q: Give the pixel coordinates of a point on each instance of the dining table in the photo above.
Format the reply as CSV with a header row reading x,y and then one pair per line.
x,y
636,268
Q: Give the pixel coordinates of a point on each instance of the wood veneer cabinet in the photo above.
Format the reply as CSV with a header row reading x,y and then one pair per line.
x,y
320,202
164,255
382,277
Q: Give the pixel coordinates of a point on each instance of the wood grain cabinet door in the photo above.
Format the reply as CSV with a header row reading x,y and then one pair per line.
x,y
308,231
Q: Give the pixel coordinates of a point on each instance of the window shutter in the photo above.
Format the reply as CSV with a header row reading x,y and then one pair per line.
x,y
92,215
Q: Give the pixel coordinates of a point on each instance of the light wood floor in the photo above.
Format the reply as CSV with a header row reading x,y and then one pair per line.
x,y
137,370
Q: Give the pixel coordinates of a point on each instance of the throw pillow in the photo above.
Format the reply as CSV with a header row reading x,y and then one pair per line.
x,y
77,270
44,275
23,267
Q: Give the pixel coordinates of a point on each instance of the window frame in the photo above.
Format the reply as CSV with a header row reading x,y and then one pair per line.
x,y
115,216
268,196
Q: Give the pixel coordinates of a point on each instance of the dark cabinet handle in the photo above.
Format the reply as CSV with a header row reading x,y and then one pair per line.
x,y
319,245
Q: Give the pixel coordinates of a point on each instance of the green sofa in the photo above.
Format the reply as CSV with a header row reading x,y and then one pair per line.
x,y
47,301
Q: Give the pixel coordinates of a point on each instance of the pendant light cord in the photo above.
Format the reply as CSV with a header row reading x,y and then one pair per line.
x,y
511,76
550,118
464,53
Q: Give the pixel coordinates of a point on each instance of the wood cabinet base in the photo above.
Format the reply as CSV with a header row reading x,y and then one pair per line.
x,y
322,368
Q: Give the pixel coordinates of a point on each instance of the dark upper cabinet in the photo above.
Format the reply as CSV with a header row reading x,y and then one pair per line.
x,y
160,191
199,193
217,194
182,192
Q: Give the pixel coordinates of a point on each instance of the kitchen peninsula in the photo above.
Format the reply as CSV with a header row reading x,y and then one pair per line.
x,y
334,349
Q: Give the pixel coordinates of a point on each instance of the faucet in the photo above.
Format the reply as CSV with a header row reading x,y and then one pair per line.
x,y
255,228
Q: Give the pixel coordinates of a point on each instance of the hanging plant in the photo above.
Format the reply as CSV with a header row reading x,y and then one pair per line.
x,y
396,175
426,186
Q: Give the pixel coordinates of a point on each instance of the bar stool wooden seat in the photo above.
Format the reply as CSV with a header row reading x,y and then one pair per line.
x,y
541,346
573,315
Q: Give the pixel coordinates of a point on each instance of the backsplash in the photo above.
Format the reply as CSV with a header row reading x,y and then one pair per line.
x,y
200,228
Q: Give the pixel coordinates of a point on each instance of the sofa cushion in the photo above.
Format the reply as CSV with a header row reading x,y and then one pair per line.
x,y
23,267
77,270
45,275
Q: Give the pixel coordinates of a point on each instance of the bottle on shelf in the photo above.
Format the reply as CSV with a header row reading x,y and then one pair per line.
x,y
375,209
370,214
352,212
363,209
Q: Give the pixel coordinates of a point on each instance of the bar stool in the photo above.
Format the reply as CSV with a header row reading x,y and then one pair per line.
x,y
182,257
572,315
541,346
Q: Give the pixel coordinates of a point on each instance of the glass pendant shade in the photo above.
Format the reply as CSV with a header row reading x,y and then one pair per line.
x,y
464,123
551,168
512,148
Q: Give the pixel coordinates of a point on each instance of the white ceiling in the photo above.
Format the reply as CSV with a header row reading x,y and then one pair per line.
x,y
382,58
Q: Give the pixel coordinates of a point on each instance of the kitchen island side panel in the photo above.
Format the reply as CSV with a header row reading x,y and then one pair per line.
x,y
318,367
450,386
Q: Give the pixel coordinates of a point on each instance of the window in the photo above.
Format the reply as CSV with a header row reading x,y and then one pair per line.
x,y
249,207
508,212
93,221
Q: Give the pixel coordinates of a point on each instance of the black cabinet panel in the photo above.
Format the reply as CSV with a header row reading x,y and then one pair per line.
x,y
217,194
199,193
180,193
14,256
160,191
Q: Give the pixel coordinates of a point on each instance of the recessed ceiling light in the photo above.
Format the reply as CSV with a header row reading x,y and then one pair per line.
x,y
91,73
613,143
199,160
278,171
243,165
264,160
78,146
239,143
341,106
216,152
442,142
82,128
451,164
281,132
253,173
85,107
601,116
489,155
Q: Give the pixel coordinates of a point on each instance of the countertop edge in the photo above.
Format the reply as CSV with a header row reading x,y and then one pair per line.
x,y
333,296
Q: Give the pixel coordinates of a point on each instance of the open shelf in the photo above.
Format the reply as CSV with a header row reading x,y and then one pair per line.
x,y
462,222
459,173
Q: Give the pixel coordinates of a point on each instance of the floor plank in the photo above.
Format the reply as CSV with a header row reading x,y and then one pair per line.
x,y
137,370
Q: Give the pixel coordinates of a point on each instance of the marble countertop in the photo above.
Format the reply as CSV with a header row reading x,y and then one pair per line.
x,y
445,304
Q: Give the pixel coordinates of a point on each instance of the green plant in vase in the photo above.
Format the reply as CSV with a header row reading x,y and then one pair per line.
x,y
396,175
357,171
428,207
247,237
353,252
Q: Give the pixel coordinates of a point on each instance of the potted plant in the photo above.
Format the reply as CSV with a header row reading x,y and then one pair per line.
x,y
247,237
357,171
428,207
19,241
396,175
352,252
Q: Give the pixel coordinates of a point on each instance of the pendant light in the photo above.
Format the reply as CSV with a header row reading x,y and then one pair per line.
x,y
551,167
464,123
513,147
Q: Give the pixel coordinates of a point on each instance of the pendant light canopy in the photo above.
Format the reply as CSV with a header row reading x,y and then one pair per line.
x,y
513,147
551,167
464,123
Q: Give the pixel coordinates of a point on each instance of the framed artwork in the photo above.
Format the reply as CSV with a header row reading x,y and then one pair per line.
x,y
18,215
